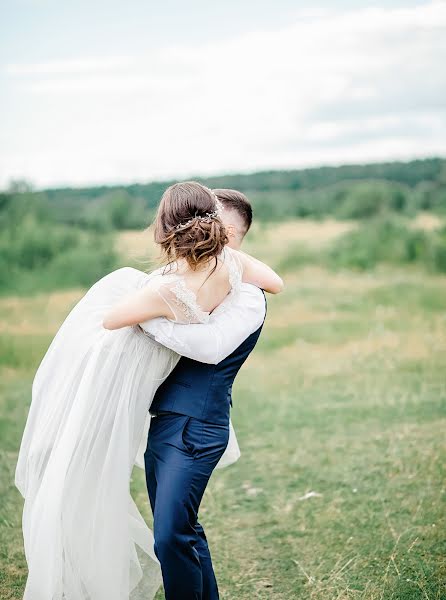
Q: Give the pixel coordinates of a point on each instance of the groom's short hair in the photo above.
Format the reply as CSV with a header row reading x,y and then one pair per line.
x,y
237,201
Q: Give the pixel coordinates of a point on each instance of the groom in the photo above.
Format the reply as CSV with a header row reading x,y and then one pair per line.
x,y
190,425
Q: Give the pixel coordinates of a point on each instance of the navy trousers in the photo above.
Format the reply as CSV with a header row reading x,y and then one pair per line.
x,y
181,454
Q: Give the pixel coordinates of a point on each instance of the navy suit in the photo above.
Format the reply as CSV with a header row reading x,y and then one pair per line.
x,y
187,438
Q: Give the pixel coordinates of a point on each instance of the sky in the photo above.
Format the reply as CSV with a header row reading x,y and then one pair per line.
x,y
108,92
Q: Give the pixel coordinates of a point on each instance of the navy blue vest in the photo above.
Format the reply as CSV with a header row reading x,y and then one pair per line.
x,y
201,390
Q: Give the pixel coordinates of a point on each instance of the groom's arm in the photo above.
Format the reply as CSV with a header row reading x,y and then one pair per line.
x,y
227,328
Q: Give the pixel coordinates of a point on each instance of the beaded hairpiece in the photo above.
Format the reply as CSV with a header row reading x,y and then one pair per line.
x,y
208,217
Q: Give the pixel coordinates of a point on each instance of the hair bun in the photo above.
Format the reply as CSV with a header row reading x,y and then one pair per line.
x,y
188,224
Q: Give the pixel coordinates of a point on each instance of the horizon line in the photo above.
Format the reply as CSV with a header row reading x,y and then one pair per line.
x,y
196,176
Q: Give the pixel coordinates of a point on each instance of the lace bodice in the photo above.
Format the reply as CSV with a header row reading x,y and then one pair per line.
x,y
182,300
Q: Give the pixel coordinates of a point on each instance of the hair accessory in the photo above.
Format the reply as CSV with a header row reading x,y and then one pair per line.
x,y
208,217
218,203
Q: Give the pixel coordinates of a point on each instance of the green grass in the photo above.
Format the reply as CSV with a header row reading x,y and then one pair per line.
x,y
345,396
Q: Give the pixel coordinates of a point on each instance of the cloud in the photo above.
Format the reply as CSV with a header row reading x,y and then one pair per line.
x,y
69,67
332,87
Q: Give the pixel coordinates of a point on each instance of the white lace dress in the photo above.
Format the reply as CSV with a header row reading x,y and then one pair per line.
x,y
87,427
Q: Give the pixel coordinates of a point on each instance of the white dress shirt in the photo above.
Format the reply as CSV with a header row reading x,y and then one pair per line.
x,y
230,324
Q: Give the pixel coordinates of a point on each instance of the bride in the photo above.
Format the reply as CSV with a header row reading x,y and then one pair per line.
x,y
84,537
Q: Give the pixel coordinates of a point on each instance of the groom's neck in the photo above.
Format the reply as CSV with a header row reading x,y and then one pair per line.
x,y
234,244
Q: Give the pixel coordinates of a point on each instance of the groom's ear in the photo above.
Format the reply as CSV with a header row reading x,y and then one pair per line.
x,y
231,231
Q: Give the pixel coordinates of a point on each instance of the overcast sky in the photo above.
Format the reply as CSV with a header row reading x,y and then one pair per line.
x,y
107,92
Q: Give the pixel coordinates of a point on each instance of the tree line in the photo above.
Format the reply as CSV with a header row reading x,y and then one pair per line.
x,y
347,192
64,237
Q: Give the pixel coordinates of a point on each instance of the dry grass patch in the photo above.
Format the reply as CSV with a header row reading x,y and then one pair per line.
x,y
136,245
427,221
306,231
36,315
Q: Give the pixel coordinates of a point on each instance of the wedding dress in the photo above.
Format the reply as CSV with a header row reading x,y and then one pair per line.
x,y
87,426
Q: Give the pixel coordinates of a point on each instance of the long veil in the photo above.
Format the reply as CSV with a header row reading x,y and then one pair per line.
x,y
87,420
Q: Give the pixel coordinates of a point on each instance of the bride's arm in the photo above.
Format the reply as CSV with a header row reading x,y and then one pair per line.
x,y
137,307
259,274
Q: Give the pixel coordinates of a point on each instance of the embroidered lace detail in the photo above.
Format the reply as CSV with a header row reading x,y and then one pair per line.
x,y
235,274
186,300
235,270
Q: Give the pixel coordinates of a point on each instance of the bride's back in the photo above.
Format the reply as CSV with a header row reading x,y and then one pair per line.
x,y
210,284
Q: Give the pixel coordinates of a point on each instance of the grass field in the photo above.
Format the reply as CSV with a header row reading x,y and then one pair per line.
x,y
340,414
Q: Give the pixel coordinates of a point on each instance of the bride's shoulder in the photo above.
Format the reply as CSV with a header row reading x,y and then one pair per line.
x,y
234,261
233,256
